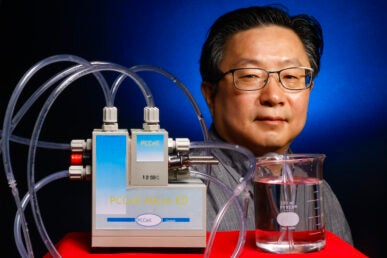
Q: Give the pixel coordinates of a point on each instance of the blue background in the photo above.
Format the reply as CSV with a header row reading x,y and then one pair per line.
x,y
346,119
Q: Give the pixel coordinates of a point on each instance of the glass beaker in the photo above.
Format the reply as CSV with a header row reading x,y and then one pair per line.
x,y
289,214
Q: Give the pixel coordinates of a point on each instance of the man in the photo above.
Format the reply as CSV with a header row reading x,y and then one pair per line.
x,y
257,67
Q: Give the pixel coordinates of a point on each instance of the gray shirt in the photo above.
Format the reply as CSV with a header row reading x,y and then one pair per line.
x,y
231,169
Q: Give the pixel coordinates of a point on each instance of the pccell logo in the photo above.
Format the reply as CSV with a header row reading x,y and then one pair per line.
x,y
148,220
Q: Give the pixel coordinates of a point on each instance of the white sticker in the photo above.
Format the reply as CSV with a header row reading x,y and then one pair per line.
x,y
288,219
148,220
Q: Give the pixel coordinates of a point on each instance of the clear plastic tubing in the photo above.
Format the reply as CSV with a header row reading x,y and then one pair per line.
x,y
143,86
17,233
9,123
41,144
27,105
174,79
237,191
229,191
125,72
35,135
8,127
28,75
55,79
289,186
108,97
61,58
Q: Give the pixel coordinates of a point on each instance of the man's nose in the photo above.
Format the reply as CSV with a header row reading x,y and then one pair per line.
x,y
273,93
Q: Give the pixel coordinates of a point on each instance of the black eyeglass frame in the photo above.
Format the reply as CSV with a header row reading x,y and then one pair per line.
x,y
232,71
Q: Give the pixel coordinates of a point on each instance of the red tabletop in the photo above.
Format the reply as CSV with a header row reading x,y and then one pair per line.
x,y
77,244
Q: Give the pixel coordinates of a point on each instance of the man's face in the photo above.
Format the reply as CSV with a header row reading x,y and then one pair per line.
x,y
266,120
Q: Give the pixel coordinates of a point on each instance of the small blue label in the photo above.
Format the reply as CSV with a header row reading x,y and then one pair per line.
x,y
150,147
120,219
149,219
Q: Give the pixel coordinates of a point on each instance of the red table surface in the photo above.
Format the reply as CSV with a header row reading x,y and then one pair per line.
x,y
77,244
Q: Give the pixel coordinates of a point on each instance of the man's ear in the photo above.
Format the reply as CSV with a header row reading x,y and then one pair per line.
x,y
311,85
208,91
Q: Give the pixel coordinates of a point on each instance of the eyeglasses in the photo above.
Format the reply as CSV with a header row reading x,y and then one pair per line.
x,y
292,78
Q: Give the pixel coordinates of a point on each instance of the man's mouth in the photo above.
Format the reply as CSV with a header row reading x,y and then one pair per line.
x,y
271,120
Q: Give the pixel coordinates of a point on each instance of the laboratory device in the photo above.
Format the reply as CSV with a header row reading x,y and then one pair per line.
x,y
135,203
144,190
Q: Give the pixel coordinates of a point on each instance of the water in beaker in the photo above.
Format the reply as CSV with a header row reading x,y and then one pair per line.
x,y
289,214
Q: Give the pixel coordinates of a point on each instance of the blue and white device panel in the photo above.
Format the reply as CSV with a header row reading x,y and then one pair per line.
x,y
128,211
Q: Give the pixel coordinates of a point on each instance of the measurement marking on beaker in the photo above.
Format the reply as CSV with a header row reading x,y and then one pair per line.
x,y
315,200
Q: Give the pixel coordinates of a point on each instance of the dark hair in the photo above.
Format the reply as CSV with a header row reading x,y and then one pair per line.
x,y
306,27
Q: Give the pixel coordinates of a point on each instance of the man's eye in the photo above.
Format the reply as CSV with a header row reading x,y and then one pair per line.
x,y
249,76
290,77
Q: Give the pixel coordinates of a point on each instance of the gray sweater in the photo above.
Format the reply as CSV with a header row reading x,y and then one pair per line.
x,y
231,169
